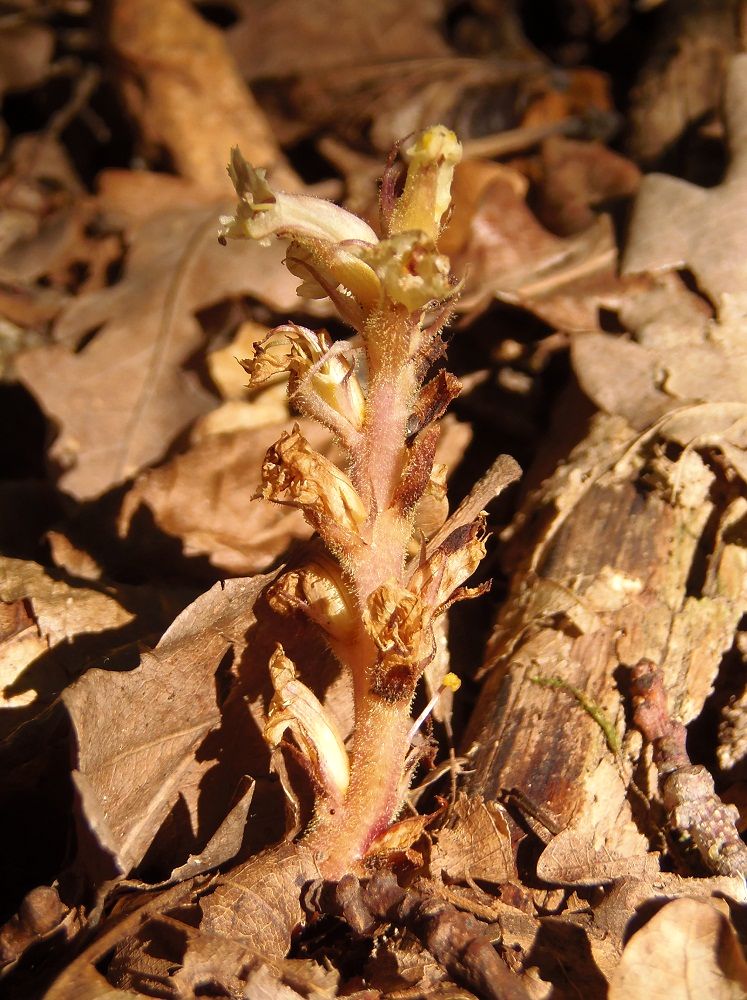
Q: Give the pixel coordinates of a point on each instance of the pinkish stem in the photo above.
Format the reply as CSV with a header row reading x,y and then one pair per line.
x,y
341,836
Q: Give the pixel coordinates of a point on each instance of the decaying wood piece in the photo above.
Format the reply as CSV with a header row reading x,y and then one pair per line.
x,y
617,567
635,547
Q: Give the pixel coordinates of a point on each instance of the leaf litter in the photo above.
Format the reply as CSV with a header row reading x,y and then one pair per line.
x,y
550,862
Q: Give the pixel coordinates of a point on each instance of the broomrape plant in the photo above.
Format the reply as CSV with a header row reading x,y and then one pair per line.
x,y
392,567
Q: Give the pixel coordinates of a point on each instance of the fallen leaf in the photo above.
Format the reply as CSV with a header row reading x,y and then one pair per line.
x,y
688,949
121,397
225,843
475,843
497,242
579,856
50,631
578,179
630,895
224,363
292,979
336,33
678,224
258,903
681,80
138,732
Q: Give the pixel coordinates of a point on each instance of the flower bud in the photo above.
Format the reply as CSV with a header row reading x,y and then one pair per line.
x,y
262,212
431,158
411,271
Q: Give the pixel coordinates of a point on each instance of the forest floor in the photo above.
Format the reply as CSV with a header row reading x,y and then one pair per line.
x,y
573,826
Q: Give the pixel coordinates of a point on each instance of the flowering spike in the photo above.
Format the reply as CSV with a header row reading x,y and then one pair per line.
x,y
379,594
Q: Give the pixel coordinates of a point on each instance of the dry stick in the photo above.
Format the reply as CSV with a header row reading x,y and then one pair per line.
x,y
457,940
516,139
694,812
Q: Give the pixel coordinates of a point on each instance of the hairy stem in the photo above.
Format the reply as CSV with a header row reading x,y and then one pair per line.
x,y
341,836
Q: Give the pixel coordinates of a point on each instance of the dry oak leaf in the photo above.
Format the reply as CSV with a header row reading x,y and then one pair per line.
x,y
137,732
678,224
681,81
572,858
576,177
224,365
685,373
688,950
182,86
258,903
217,966
121,397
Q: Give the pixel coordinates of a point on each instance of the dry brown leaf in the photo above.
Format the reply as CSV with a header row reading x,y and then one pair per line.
x,y
43,614
203,497
474,844
677,224
333,33
224,363
89,984
137,733
120,398
80,978
403,963
292,979
612,916
225,843
258,903
686,374
180,83
25,54
220,964
681,82
495,240
269,406
688,950
578,856
578,177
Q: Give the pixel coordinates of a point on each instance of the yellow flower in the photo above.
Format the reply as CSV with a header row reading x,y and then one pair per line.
x,y
431,157
319,591
295,707
311,357
336,254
